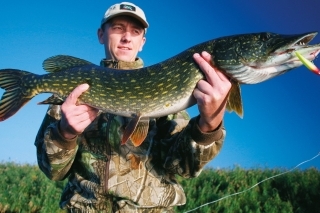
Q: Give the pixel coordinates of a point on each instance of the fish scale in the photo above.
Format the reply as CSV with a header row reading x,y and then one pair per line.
x,y
160,89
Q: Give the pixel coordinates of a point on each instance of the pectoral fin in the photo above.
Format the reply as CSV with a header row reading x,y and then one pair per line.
x,y
140,133
234,102
136,130
54,99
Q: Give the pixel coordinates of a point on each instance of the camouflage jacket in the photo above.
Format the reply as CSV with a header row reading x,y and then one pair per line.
x,y
105,176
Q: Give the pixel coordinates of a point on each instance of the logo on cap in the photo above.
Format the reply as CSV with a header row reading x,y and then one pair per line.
x,y
127,7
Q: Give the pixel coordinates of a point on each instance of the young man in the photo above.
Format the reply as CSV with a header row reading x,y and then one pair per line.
x,y
82,144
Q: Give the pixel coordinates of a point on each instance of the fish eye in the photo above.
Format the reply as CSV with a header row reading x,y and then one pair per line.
x,y
265,36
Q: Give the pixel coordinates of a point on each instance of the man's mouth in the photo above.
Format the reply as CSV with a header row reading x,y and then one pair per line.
x,y
124,48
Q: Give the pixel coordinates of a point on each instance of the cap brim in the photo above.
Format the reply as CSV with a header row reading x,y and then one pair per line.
x,y
143,22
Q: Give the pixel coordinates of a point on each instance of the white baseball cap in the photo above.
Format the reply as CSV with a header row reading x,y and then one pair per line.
x,y
125,8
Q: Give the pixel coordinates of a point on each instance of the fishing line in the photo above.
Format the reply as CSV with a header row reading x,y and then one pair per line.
x,y
237,193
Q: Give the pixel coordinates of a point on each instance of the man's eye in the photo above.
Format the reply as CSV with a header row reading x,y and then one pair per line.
x,y
137,32
117,27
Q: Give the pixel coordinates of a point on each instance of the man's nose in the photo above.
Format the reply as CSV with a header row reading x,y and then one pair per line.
x,y
126,36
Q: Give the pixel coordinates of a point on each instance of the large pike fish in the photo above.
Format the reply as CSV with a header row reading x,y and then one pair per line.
x,y
160,89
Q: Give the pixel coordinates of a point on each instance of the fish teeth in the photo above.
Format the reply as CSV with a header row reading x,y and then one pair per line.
x,y
301,43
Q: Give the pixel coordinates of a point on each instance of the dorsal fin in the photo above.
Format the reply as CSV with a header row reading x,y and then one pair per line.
x,y
61,62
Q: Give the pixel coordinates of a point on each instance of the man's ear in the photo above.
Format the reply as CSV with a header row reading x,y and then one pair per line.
x,y
100,34
144,39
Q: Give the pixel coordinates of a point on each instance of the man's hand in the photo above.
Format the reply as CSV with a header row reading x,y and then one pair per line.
x,y
211,94
75,118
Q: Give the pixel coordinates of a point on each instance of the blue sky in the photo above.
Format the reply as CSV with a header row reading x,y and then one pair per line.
x,y
280,127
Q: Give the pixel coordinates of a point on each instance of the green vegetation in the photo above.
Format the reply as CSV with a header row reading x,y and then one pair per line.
x,y
24,188
297,191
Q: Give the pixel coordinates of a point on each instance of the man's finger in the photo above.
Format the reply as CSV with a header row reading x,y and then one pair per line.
x,y
74,95
206,67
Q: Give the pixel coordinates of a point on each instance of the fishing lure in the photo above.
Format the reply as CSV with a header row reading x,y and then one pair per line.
x,y
308,64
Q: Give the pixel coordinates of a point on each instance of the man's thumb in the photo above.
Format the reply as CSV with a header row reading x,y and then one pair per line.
x,y
74,95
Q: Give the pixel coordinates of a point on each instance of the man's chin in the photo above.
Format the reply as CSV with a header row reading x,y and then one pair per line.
x,y
127,58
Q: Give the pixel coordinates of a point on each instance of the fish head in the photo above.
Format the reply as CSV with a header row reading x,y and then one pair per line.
x,y
253,58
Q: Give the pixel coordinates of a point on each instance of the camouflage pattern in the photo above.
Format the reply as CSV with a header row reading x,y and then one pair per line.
x,y
105,176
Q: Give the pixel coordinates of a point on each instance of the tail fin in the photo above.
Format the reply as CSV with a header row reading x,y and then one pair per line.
x,y
15,95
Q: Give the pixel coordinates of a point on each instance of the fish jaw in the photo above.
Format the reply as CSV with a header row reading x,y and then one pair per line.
x,y
277,62
292,61
287,54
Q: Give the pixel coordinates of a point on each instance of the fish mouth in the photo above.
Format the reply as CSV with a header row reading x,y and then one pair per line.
x,y
299,43
303,40
282,54
280,59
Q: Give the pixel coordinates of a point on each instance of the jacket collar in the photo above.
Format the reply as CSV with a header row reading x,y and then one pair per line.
x,y
124,65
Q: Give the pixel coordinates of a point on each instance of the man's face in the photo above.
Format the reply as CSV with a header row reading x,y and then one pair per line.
x,y
122,37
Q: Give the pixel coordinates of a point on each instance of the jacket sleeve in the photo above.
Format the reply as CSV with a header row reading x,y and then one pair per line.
x,y
186,148
55,154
